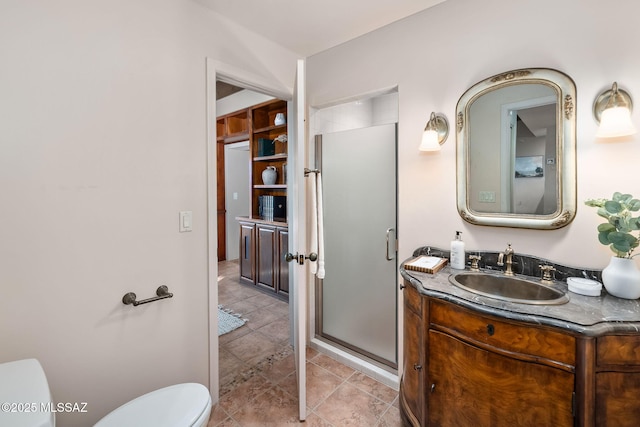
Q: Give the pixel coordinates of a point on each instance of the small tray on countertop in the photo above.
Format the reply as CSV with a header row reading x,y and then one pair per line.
x,y
582,286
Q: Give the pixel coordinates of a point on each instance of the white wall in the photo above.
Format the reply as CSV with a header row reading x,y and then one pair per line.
x,y
434,56
103,142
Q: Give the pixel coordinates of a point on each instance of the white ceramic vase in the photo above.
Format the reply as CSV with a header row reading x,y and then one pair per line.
x,y
279,120
269,175
621,278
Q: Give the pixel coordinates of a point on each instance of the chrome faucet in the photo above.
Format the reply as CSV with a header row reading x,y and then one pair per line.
x,y
509,253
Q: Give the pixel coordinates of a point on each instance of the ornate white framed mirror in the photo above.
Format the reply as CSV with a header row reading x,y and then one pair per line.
x,y
516,150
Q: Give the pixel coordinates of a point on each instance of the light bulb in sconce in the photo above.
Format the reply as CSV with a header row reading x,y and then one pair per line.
x,y
435,133
429,141
612,109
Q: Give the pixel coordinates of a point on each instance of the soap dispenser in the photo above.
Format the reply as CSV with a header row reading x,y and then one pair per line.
x,y
457,252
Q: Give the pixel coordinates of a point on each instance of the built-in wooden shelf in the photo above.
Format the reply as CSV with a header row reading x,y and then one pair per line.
x,y
270,187
267,158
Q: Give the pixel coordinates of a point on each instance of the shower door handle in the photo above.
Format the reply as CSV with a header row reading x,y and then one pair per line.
x,y
394,242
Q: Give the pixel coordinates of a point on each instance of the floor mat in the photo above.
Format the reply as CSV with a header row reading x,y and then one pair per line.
x,y
228,320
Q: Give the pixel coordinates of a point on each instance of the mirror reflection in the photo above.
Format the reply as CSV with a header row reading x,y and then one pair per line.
x,y
516,150
522,179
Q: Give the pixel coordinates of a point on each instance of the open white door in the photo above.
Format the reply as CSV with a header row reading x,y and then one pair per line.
x,y
296,214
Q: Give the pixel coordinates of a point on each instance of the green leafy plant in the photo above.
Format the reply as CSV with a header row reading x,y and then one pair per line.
x,y
617,232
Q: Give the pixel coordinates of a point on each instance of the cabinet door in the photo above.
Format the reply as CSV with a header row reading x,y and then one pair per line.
x,y
283,265
617,399
266,248
457,383
468,386
413,362
247,251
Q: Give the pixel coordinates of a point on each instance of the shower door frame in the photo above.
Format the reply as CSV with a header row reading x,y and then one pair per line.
x,y
319,334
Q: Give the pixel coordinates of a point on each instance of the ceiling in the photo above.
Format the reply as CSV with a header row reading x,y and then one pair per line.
x,y
307,27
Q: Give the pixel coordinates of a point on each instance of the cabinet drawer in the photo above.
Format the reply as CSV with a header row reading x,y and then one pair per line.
x,y
511,337
618,350
412,299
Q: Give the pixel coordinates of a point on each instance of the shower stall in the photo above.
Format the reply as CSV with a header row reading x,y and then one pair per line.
x,y
356,302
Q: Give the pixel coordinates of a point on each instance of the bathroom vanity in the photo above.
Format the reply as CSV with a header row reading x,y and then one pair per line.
x,y
472,360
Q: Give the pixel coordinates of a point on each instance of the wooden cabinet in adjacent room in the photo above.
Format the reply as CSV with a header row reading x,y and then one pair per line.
x,y
263,245
282,272
269,142
247,251
266,247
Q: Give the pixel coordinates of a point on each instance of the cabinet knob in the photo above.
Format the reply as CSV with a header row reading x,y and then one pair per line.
x,y
433,388
417,366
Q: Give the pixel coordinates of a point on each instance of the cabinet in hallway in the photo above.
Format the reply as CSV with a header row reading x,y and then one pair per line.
x,y
263,245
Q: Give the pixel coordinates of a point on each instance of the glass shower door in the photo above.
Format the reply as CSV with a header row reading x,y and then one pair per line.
x,y
358,294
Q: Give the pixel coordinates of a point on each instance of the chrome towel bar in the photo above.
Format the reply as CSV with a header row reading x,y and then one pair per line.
x,y
162,292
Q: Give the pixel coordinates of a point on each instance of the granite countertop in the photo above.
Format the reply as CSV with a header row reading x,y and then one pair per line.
x,y
591,316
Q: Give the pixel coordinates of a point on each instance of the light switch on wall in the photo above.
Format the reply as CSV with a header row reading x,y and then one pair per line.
x,y
487,197
186,219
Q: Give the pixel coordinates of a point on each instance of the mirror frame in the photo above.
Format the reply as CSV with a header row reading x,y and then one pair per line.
x,y
565,89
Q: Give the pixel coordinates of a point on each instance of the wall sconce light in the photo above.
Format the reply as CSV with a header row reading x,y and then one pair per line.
x,y
435,133
612,109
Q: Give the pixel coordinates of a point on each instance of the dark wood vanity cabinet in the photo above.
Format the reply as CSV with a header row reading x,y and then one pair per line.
x,y
471,386
412,385
479,370
617,380
466,368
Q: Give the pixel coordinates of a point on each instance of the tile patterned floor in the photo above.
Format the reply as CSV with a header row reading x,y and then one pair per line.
x,y
257,372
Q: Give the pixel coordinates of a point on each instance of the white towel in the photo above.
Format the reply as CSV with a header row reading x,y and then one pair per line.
x,y
313,246
321,271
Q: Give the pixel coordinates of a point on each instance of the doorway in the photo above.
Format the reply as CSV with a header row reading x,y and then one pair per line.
x,y
233,181
237,163
266,332
528,173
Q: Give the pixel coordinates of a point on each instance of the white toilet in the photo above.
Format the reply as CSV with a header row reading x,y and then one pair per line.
x,y
25,398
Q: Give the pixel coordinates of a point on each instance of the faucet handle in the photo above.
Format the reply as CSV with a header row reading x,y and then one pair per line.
x,y
546,273
474,262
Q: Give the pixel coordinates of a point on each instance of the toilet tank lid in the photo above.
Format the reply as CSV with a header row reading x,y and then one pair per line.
x,y
177,405
23,382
